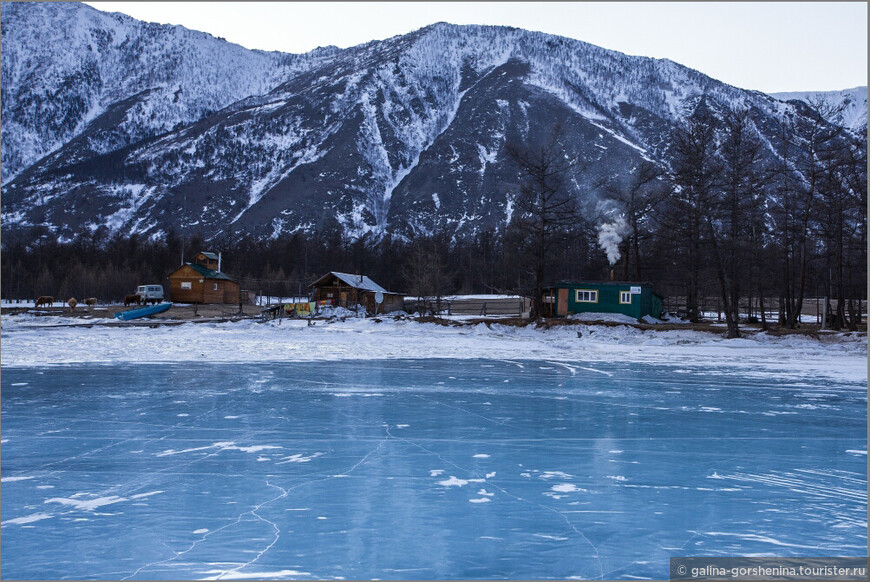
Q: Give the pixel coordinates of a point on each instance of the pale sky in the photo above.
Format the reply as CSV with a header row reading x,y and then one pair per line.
x,y
767,46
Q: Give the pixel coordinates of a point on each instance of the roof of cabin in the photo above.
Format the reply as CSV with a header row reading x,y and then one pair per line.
x,y
600,283
211,256
207,273
356,281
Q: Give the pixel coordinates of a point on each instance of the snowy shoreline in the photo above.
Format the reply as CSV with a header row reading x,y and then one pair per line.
x,y
29,341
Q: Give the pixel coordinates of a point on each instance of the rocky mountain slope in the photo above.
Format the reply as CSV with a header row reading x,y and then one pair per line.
x,y
170,129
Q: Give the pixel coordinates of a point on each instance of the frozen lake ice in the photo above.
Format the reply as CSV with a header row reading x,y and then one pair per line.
x,y
421,469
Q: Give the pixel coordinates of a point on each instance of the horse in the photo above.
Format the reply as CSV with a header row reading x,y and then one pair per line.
x,y
131,299
90,302
72,304
46,300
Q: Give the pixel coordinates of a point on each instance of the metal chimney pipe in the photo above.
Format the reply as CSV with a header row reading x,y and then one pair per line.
x,y
219,263
611,274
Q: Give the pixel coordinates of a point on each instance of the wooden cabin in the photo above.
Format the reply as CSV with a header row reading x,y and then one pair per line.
x,y
346,290
625,297
201,281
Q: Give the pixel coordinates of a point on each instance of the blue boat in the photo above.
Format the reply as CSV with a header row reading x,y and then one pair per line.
x,y
143,311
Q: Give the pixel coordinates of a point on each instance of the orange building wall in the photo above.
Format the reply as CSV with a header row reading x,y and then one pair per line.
x,y
205,292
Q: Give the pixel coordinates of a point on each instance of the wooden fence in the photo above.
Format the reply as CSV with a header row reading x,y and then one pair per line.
x,y
812,310
504,306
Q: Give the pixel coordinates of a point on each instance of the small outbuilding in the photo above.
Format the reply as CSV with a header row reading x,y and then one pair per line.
x,y
202,281
208,260
628,298
346,290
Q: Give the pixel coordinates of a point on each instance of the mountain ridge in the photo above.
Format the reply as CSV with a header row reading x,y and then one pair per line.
x,y
853,101
394,137
86,60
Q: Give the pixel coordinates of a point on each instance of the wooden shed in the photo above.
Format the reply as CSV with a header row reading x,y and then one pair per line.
x,y
202,282
208,260
628,298
346,290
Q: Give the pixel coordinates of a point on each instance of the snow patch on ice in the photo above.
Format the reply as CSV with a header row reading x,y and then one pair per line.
x,y
549,537
13,479
568,488
554,475
89,504
27,518
221,446
299,458
263,575
453,482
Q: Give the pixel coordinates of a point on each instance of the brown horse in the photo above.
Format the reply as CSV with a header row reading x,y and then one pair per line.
x,y
131,299
72,304
91,301
46,300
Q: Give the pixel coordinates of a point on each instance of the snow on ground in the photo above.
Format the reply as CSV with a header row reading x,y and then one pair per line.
x,y
611,317
29,341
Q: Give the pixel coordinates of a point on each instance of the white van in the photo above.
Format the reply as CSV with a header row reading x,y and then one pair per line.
x,y
150,293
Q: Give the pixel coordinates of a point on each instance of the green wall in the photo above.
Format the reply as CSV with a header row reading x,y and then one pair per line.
x,y
607,299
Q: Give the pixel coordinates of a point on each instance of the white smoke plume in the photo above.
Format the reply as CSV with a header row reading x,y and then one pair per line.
x,y
610,234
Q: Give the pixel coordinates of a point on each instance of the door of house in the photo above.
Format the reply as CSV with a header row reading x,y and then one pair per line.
x,y
563,302
343,299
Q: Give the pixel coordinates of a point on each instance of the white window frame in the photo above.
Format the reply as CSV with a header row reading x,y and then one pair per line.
x,y
215,287
592,298
622,297
186,285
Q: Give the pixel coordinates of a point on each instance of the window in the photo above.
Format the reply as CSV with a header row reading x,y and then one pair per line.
x,y
215,286
585,296
185,285
625,297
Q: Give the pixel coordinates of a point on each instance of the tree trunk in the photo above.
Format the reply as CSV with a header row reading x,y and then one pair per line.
x,y
782,318
798,300
730,308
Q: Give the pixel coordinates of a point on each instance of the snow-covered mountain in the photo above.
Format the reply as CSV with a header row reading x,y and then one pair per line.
x,y
397,136
853,102
65,65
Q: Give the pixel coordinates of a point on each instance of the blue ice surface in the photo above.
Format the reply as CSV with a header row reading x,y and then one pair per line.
x,y
421,470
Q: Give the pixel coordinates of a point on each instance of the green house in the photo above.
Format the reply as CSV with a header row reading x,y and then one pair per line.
x,y
633,299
